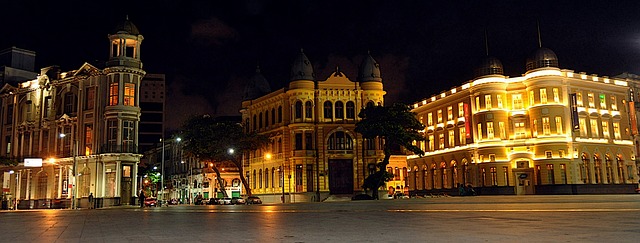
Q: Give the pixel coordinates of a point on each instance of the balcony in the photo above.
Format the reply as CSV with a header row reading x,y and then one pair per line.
x,y
111,148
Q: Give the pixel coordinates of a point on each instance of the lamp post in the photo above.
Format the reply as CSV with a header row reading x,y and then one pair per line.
x,y
74,189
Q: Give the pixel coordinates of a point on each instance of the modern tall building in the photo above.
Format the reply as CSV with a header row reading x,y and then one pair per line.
x,y
75,132
315,151
152,105
17,65
549,131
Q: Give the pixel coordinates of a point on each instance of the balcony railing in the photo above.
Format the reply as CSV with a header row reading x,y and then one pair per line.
x,y
111,148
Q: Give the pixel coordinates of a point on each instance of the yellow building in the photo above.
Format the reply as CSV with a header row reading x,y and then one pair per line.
x,y
314,151
549,131
80,127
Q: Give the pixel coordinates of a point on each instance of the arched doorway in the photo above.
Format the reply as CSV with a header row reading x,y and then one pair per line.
x,y
340,169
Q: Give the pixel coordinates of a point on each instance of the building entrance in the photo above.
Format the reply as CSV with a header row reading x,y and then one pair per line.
x,y
340,176
524,182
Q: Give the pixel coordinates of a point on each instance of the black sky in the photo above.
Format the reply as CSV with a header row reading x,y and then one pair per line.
x,y
208,49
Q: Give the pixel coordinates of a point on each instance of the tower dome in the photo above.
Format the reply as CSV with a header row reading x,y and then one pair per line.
x,y
257,86
126,27
301,68
489,66
543,57
369,70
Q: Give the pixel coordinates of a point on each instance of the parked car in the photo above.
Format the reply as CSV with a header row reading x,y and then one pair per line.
x,y
150,202
253,200
400,195
213,201
237,200
225,201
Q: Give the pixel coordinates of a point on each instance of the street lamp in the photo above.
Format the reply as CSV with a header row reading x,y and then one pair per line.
x,y
74,190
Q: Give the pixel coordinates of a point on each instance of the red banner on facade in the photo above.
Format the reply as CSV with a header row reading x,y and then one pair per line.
x,y
467,120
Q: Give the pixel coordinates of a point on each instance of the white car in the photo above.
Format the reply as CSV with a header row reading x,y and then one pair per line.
x,y
225,201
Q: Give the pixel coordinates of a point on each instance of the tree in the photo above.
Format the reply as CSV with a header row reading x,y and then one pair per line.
x,y
397,126
219,142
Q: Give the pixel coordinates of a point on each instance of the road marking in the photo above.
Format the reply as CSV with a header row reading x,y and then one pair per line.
x,y
516,210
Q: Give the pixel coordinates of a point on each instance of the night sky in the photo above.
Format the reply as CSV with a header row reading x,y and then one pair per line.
x,y
209,49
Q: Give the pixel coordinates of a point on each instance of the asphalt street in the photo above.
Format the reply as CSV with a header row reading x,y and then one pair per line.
x,y
567,218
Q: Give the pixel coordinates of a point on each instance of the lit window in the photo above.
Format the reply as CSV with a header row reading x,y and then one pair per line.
x,y
546,126
556,95
605,129
441,141
517,101
450,113
503,132
439,116
487,102
431,142
543,96
519,130
477,103
452,138
479,131
616,130
603,101
535,128
614,105
430,119
113,93
559,125
583,127
462,135
594,128
489,130
591,101
129,94
494,176
460,109
579,99
499,100
531,98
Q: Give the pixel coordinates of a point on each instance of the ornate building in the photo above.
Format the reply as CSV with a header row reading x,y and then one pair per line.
x,y
82,124
550,131
314,151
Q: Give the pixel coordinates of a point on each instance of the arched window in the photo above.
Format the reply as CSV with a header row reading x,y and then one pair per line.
x,y
454,173
246,125
266,178
584,169
279,114
266,119
273,176
339,110
619,164
260,178
465,172
254,179
255,122
608,169
340,141
425,175
370,104
298,110
328,109
351,110
597,169
273,116
432,176
444,175
260,120
308,110
416,173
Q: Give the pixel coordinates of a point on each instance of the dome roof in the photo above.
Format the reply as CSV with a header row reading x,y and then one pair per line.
x,y
543,57
126,27
369,70
301,68
489,66
257,86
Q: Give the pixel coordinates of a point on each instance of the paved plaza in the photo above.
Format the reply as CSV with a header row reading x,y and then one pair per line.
x,y
569,218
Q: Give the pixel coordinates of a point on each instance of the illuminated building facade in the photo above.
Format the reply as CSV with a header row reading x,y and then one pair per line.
x,y
84,120
314,151
550,131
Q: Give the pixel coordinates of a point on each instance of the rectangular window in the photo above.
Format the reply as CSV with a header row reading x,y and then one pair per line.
x,y
487,102
439,116
556,95
129,94
616,130
561,153
591,101
503,131
594,128
548,154
494,176
450,113
505,174
605,129
492,157
113,93
431,142
441,141
112,135
517,101
308,141
461,109
298,142
9,114
90,98
543,96
559,125
462,136
614,105
534,128
69,102
550,174
563,175
499,100
490,130
128,136
520,131
546,126
47,106
479,131
579,99
452,138
583,127
603,101
477,103
88,139
430,119
531,98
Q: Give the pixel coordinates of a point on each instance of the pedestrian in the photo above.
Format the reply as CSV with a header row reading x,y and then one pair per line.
x,y
141,197
460,190
91,203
